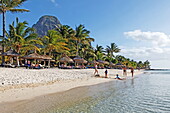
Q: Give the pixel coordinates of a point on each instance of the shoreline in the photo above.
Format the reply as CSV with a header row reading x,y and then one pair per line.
x,y
26,92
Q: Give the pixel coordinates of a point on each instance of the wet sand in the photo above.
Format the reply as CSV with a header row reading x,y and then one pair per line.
x,y
54,101
45,103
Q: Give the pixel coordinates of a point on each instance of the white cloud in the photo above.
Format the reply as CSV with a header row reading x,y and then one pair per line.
x,y
158,51
54,1
158,39
154,54
144,53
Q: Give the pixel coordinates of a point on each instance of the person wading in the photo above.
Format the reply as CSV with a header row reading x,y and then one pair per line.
x,y
95,67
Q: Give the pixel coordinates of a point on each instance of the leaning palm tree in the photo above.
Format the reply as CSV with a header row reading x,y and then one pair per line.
x,y
9,5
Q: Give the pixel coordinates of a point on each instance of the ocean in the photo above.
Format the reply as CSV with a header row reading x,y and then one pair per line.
x,y
145,93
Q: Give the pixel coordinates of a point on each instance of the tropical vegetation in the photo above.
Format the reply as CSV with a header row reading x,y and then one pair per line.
x,y
11,6
62,40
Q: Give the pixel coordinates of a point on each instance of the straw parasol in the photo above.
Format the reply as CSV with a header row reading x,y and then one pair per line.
x,y
106,62
102,62
79,60
0,48
94,62
33,56
119,65
46,57
11,52
65,58
111,64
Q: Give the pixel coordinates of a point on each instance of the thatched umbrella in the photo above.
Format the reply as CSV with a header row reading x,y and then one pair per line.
x,y
93,62
111,64
33,56
106,62
119,65
79,60
46,57
12,53
102,62
66,59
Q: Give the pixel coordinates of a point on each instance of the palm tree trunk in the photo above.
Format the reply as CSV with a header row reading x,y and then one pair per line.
x,y
17,61
48,63
17,58
49,60
77,52
3,48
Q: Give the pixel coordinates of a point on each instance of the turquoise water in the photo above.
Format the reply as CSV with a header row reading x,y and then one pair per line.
x,y
147,93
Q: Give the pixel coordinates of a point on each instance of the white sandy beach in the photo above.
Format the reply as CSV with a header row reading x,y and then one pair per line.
x,y
20,84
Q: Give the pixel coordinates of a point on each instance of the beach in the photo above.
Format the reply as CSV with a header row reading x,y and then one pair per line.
x,y
19,85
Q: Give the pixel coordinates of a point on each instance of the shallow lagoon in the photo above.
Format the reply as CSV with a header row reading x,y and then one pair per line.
x,y
149,92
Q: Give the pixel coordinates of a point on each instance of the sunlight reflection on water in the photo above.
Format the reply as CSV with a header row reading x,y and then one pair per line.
x,y
146,93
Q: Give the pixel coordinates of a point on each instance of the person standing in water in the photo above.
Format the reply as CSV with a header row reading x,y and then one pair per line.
x,y
132,71
124,71
106,76
95,67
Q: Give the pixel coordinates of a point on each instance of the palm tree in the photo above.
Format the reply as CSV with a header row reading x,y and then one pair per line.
x,y
113,48
9,5
133,63
68,33
140,64
99,52
146,64
86,51
120,59
21,38
20,35
99,49
54,42
82,37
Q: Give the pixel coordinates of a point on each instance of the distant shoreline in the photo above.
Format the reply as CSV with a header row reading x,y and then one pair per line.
x,y
158,69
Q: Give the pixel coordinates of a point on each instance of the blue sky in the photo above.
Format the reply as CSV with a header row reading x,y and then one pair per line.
x,y
136,26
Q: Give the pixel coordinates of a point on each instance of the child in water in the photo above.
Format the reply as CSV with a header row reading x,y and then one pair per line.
x,y
117,77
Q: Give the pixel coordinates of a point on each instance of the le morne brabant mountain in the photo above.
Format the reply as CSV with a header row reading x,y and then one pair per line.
x,y
46,23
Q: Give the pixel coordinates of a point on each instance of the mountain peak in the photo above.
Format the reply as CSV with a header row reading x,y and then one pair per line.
x,y
46,23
